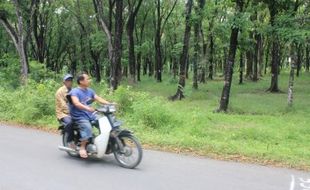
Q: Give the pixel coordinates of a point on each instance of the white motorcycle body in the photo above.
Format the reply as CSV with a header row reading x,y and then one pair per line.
x,y
102,140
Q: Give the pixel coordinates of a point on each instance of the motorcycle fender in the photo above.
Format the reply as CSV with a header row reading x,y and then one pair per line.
x,y
124,133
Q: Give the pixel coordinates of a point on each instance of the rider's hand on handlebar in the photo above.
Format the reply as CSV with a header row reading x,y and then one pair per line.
x,y
90,109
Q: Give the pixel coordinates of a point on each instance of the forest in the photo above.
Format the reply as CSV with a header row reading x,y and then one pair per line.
x,y
206,53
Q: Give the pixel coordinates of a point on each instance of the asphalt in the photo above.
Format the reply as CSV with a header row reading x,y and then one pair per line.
x,y
30,160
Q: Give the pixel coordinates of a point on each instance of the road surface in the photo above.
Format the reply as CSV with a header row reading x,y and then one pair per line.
x,y
30,160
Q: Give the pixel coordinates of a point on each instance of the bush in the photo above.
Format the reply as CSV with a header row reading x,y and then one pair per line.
x,y
10,71
142,108
39,72
153,113
124,98
29,104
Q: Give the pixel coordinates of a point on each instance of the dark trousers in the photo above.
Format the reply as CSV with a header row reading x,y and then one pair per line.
x,y
68,127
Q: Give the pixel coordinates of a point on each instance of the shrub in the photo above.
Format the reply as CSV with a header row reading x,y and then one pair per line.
x,y
153,113
124,98
29,103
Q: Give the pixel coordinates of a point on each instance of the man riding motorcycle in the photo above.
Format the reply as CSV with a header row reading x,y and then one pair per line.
x,y
81,111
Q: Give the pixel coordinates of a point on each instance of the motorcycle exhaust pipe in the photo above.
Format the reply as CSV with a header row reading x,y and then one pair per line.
x,y
63,148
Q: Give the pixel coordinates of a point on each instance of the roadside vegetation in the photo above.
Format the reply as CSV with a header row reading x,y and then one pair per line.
x,y
258,128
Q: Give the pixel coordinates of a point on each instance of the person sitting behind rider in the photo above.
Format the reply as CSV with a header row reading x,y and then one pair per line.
x,y
61,105
81,111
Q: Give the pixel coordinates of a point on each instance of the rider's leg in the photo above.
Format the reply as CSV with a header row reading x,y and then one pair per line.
x,y
68,127
86,133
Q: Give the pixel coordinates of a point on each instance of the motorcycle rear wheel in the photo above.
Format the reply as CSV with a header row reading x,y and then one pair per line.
x,y
131,155
66,144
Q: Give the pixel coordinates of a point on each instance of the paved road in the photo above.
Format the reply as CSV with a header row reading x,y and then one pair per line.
x,y
30,160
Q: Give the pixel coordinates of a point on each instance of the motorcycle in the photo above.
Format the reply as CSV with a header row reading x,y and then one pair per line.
x,y
108,137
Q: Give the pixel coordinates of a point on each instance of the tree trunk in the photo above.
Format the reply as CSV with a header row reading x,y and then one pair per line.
x,y
99,14
299,59
40,27
83,39
241,68
202,77
195,59
111,6
290,86
139,37
230,63
307,58
187,66
225,58
158,53
97,70
139,56
256,57
211,64
159,31
274,66
95,54
131,50
150,66
183,59
275,59
116,70
261,56
267,57
145,66
131,45
249,64
211,44
291,79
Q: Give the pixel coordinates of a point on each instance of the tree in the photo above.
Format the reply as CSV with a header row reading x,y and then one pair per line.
x,y
133,11
116,70
17,36
40,24
197,37
275,60
115,48
158,34
183,59
231,59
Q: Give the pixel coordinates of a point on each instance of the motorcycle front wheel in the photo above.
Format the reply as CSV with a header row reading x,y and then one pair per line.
x,y
130,155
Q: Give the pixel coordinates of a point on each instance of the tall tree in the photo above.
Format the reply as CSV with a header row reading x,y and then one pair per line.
x,y
275,51
18,35
160,25
197,36
133,11
114,47
183,59
116,67
231,59
211,42
40,27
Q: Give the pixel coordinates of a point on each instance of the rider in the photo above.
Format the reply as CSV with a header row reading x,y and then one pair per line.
x,y
61,105
81,111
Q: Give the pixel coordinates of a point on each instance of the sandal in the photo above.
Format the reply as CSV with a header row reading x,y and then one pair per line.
x,y
83,153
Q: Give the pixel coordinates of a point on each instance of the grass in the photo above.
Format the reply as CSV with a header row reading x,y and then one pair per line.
x,y
259,127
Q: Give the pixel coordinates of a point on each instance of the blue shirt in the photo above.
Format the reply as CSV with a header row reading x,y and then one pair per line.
x,y
86,97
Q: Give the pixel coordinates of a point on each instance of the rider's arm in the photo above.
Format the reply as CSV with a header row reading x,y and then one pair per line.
x,y
100,100
79,105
